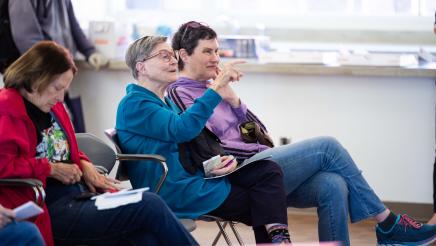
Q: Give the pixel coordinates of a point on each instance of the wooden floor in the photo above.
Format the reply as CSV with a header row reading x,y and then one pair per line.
x,y
303,230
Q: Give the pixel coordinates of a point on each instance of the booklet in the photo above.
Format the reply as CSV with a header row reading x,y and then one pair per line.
x,y
216,160
119,198
27,210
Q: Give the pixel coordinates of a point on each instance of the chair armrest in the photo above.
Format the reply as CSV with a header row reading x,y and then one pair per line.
x,y
131,157
156,158
36,185
101,169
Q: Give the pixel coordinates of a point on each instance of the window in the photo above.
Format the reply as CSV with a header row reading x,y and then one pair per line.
x,y
427,7
406,15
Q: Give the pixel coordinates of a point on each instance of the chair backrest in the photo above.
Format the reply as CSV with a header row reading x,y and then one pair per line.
x,y
122,170
98,151
111,133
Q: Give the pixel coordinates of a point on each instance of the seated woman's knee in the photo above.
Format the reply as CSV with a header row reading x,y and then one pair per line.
x,y
328,142
272,167
27,229
153,200
333,187
151,206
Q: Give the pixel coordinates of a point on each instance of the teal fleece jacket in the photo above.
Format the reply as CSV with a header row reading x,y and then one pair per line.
x,y
147,125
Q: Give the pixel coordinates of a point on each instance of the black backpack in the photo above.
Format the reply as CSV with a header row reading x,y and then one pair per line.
x,y
8,51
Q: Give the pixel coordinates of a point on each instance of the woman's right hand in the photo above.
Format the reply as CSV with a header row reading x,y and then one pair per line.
x,y
66,173
6,216
226,75
228,164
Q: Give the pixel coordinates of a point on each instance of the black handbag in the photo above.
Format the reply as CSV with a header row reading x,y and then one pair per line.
x,y
192,154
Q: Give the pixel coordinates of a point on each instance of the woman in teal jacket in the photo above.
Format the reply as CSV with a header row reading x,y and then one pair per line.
x,y
148,122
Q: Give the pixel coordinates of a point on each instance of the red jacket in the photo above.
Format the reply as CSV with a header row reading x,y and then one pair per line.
x,y
18,149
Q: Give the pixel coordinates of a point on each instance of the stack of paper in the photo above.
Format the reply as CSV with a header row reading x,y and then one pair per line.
x,y
116,199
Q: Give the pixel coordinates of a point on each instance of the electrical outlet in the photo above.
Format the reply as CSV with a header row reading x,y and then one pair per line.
x,y
285,140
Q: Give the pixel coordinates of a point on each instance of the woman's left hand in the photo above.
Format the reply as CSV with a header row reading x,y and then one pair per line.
x,y
95,180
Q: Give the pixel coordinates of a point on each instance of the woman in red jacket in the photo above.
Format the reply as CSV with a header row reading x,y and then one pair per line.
x,y
37,141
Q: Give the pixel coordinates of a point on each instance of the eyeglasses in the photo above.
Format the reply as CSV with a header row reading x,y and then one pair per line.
x,y
191,25
164,55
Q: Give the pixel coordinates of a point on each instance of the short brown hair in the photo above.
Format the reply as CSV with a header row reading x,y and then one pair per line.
x,y
38,66
188,35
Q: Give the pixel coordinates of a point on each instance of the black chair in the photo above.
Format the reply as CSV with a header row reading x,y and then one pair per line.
x,y
221,223
105,158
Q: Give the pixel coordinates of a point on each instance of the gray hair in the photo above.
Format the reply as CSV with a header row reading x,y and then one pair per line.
x,y
140,49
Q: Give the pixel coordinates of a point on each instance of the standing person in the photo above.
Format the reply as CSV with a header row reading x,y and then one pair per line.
x,y
37,141
432,221
317,172
32,21
148,122
37,20
17,233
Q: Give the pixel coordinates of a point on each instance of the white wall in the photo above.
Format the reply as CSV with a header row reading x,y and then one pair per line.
x,y
387,124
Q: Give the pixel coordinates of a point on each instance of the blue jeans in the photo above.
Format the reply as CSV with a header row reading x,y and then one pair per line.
x,y
148,222
21,233
320,173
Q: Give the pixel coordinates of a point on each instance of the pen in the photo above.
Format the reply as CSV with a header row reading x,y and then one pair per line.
x,y
228,162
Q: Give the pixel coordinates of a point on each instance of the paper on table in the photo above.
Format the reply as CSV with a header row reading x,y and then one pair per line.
x,y
123,197
27,210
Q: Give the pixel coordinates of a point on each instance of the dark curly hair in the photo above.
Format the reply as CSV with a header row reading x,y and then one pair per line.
x,y
187,37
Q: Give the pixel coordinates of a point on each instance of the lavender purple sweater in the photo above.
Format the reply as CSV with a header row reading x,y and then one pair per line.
x,y
225,120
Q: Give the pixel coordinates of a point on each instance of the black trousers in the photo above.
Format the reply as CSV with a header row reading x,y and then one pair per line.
x,y
78,222
257,198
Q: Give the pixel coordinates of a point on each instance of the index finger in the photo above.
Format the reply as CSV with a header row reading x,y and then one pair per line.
x,y
235,62
225,157
108,185
115,181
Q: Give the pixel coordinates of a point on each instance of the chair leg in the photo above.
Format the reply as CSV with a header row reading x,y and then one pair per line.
x,y
238,237
217,237
222,231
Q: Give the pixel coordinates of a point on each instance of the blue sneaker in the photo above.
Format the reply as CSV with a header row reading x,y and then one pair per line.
x,y
406,231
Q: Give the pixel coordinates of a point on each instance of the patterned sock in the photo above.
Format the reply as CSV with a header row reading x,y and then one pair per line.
x,y
278,233
388,222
